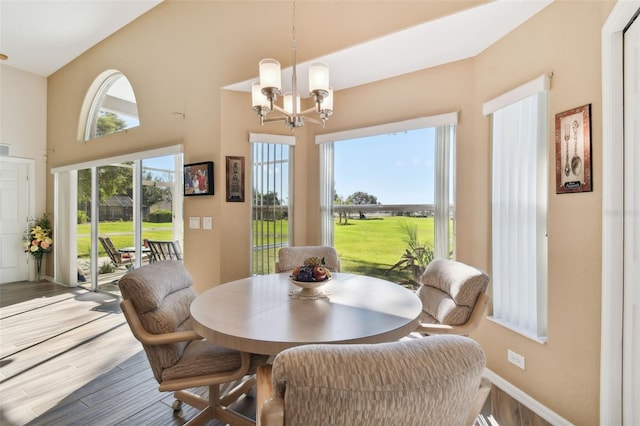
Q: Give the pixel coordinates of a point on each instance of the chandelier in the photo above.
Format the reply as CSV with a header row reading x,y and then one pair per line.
x,y
264,93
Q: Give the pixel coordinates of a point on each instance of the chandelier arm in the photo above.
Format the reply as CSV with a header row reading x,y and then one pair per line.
x,y
308,111
271,120
281,110
312,120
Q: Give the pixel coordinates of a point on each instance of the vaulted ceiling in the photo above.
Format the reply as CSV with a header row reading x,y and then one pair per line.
x,y
41,36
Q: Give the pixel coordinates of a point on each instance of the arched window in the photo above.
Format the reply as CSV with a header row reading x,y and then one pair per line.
x,y
109,106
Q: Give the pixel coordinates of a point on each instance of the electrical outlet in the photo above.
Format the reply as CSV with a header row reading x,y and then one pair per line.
x,y
515,359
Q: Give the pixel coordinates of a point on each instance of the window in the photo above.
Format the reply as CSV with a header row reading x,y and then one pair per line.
x,y
270,199
519,208
109,107
127,198
397,195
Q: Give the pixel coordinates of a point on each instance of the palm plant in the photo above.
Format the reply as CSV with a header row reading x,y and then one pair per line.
x,y
415,258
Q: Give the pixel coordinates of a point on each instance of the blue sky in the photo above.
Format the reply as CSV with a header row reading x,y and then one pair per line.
x,y
397,168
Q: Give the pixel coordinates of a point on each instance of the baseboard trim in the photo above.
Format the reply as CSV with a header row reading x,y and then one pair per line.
x,y
523,398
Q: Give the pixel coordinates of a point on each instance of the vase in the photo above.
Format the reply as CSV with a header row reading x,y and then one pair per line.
x,y
38,268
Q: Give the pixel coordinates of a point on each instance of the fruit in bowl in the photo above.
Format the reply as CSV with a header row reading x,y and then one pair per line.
x,y
313,270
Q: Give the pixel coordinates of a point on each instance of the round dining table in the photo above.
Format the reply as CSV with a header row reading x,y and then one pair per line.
x,y
263,315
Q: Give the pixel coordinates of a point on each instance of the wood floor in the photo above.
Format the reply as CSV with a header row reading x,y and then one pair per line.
x,y
67,357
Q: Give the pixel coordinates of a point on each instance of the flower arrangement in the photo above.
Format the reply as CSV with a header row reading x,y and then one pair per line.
x,y
39,236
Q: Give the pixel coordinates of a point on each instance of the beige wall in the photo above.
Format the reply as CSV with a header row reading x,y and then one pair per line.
x,y
180,54
24,100
564,372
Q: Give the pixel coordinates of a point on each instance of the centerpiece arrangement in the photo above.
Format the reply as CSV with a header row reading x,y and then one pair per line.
x,y
310,276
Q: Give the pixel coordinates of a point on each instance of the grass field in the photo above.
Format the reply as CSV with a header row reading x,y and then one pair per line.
x,y
371,246
121,233
365,246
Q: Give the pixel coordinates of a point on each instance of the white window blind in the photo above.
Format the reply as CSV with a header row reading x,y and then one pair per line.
x,y
326,193
444,188
519,214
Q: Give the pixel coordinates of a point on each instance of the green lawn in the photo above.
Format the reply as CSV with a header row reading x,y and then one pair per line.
x,y
121,233
365,246
372,246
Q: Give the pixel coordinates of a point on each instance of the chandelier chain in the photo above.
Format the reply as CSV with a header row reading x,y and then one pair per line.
x,y
294,76
293,25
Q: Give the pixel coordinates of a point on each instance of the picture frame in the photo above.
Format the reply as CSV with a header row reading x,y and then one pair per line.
x,y
235,179
573,150
198,179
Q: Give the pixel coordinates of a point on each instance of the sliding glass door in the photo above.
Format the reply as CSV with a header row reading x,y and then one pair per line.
x,y
114,205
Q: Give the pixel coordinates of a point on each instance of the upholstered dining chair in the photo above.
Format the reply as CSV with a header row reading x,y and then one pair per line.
x,y
290,257
156,303
164,250
421,382
454,298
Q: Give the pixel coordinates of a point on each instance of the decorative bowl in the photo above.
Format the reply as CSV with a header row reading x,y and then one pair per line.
x,y
310,289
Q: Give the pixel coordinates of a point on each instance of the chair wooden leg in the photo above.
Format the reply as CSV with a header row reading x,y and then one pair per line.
x,y
202,417
191,399
222,413
264,388
242,388
232,418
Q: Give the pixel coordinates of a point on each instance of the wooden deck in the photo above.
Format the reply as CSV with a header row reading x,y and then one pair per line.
x,y
67,357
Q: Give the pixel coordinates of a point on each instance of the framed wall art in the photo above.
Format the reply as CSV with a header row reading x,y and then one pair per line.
x,y
235,179
198,179
573,150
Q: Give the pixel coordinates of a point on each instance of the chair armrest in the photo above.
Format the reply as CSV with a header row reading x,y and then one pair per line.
x,y
149,338
272,413
269,410
477,314
478,401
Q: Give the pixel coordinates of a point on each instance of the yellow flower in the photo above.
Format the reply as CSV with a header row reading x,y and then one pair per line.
x,y
38,238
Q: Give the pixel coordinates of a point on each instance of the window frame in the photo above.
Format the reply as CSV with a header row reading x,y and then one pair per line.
x,y
271,139
445,125
94,103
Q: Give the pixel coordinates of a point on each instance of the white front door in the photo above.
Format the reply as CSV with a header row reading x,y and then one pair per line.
x,y
631,309
14,211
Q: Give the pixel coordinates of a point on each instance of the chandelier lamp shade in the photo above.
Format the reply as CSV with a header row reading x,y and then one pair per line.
x,y
264,93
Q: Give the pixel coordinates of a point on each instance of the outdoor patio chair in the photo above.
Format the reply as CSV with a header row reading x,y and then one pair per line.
x,y
164,250
117,258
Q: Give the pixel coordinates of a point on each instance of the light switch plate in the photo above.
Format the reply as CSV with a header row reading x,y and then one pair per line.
x,y
194,222
207,222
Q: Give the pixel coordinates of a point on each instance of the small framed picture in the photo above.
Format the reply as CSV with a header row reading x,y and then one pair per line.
x,y
235,179
198,179
573,150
